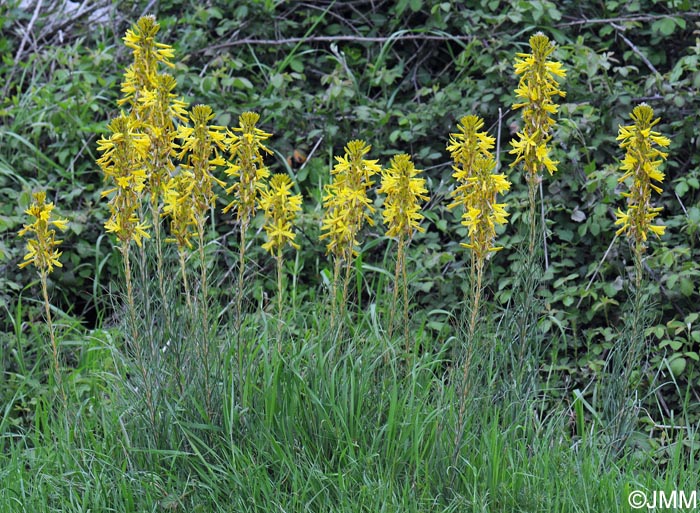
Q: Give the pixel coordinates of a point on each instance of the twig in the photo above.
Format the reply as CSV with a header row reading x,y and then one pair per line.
x,y
624,19
336,39
313,150
595,273
18,55
498,140
636,50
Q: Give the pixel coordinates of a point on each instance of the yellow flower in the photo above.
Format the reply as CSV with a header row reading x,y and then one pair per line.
x,y
346,203
482,214
403,190
147,54
200,146
179,206
465,147
478,187
41,249
641,164
281,208
123,162
535,92
246,166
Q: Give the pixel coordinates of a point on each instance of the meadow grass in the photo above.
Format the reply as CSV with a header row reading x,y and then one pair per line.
x,y
329,423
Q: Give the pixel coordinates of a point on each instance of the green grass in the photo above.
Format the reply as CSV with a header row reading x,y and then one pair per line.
x,y
332,423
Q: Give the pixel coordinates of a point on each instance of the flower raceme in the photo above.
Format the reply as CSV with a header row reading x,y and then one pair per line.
x,y
147,54
641,163
482,213
200,146
160,108
404,191
281,208
346,203
41,249
123,163
478,187
535,92
246,165
179,206
466,147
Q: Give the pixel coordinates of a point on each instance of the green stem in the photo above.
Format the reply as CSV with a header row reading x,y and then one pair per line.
x,y
466,382
395,295
334,290
49,322
532,181
183,272
155,210
279,299
205,314
239,294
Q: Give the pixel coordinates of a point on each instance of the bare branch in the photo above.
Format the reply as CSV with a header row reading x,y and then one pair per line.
x,y
336,39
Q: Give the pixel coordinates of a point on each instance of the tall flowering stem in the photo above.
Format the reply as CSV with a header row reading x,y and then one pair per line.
x,y
180,208
200,147
248,172
404,192
477,192
281,208
42,253
535,94
641,171
161,109
123,164
149,97
347,207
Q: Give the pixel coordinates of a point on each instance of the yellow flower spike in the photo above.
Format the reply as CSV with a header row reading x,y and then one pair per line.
x,y
477,193
465,147
347,207
535,92
281,208
179,207
248,173
404,191
123,160
200,147
641,164
482,214
42,252
346,203
41,248
147,54
246,166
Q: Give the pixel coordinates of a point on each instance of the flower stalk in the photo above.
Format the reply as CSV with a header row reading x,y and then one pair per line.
x,y
281,208
535,95
347,207
42,253
404,191
640,166
248,172
477,192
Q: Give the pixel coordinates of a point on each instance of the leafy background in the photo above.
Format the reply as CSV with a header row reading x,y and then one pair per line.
x,y
399,75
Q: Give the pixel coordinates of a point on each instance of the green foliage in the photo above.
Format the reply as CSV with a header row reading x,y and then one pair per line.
x,y
345,427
